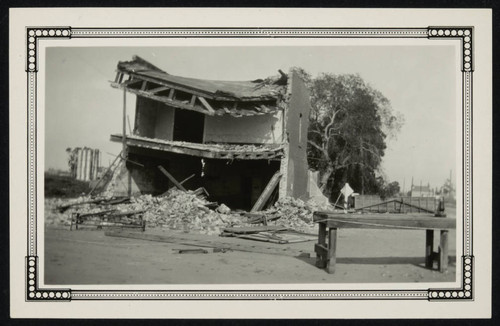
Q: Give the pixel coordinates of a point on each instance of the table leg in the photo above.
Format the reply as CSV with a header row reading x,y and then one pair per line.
x,y
321,258
443,251
429,247
332,247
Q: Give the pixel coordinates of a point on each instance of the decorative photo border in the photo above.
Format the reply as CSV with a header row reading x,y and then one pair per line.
x,y
464,35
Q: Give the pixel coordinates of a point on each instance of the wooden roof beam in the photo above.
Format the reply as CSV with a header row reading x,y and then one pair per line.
x,y
164,99
158,89
206,105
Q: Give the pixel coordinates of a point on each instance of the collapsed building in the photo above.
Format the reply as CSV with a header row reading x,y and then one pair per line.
x,y
238,138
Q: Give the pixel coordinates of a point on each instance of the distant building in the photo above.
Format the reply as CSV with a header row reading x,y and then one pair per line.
x,y
421,191
84,163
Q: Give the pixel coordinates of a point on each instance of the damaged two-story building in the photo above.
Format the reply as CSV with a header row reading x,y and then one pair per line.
x,y
233,136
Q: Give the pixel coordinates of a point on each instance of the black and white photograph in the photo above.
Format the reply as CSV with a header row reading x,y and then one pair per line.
x,y
185,163
222,179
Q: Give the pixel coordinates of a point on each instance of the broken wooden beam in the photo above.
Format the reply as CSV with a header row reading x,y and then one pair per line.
x,y
259,204
258,237
255,229
171,178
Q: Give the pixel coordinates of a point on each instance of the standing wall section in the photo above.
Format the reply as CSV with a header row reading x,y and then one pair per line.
x,y
259,129
295,168
153,119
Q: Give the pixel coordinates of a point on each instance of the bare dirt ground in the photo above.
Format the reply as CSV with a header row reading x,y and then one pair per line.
x,y
90,257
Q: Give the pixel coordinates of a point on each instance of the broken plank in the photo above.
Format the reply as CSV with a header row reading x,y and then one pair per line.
x,y
259,204
260,238
191,251
182,182
261,218
171,178
255,229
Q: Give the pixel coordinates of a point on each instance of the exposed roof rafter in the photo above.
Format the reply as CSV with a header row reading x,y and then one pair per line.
x,y
198,102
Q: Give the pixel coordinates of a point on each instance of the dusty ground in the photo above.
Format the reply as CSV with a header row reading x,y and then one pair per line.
x,y
90,257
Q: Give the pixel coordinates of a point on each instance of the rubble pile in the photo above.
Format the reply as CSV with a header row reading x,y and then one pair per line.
x,y
52,215
55,216
295,213
177,210
180,210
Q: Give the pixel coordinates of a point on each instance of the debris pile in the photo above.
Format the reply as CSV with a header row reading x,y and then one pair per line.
x,y
179,210
176,210
187,211
293,213
53,216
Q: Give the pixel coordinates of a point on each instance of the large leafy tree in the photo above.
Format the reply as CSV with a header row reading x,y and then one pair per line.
x,y
349,124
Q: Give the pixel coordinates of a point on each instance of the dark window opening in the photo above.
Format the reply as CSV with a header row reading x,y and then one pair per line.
x,y
188,126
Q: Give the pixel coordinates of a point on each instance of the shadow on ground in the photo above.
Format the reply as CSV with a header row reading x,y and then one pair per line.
x,y
416,261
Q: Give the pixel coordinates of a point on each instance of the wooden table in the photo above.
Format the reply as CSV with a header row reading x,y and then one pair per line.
x,y
329,222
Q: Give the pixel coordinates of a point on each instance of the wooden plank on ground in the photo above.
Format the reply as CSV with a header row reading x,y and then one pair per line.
x,y
171,178
214,242
259,204
255,229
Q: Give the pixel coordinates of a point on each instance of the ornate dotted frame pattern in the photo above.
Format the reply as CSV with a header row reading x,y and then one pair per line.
x,y
463,34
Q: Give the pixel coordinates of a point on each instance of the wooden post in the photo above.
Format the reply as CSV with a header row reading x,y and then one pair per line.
x,y
320,258
332,248
443,251
429,247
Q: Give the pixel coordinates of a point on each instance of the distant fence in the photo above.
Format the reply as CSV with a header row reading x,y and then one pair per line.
x,y
395,205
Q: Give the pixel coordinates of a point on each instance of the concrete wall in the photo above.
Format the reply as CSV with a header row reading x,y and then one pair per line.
x,y
164,128
297,122
153,119
260,129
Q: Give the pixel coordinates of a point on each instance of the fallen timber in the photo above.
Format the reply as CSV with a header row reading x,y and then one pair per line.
x,y
235,244
97,201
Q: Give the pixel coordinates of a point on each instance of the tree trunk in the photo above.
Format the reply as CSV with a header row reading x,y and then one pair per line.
x,y
323,180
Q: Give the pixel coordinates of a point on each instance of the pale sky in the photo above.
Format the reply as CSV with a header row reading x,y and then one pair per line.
x,y
81,108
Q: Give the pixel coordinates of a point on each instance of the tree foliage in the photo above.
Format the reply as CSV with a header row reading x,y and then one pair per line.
x,y
349,124
388,190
